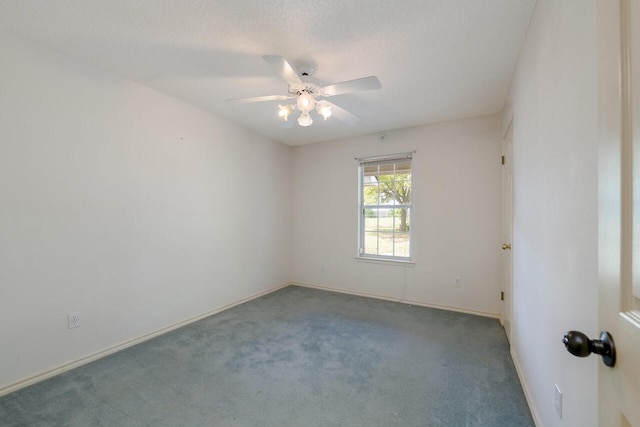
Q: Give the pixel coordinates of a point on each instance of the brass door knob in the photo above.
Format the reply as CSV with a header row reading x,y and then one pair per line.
x,y
506,246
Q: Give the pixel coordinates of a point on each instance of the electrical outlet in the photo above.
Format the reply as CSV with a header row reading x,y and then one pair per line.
x,y
458,282
74,320
558,401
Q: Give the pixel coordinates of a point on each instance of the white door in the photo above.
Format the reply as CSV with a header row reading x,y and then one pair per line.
x,y
507,229
619,208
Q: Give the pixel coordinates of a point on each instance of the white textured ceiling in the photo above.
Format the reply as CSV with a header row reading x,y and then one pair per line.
x,y
437,60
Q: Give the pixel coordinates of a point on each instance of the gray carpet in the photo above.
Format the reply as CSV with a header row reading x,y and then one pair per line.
x,y
296,357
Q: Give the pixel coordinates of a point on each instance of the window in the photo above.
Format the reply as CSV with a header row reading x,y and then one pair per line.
x,y
385,207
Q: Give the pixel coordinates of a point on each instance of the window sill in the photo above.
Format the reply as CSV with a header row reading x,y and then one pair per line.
x,y
395,262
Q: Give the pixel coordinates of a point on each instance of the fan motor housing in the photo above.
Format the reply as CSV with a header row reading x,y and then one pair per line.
x,y
309,84
311,89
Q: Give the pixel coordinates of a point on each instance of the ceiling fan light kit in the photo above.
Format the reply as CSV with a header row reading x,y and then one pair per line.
x,y
306,89
285,110
324,109
306,101
305,119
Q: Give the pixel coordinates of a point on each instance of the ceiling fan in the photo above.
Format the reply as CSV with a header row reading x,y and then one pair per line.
x,y
308,93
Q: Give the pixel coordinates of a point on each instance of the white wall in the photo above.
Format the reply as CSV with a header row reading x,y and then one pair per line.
x,y
455,217
553,102
135,209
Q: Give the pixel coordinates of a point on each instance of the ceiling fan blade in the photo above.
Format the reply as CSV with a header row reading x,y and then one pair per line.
x,y
342,114
258,99
282,67
365,83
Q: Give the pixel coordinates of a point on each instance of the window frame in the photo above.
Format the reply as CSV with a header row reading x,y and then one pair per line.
x,y
362,207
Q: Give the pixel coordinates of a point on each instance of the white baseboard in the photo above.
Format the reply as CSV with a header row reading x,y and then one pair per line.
x,y
525,388
114,349
401,300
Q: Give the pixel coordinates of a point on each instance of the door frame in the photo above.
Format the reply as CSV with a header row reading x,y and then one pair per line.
x,y
506,231
618,387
